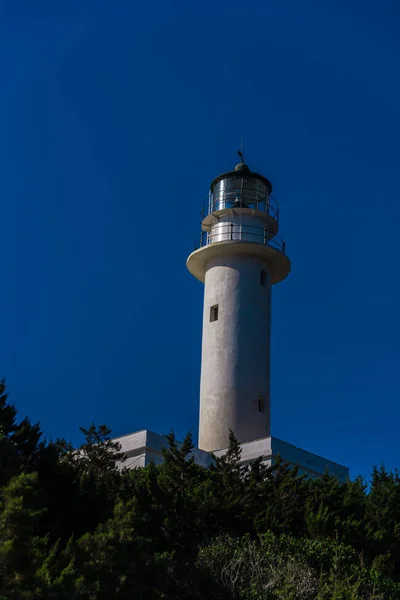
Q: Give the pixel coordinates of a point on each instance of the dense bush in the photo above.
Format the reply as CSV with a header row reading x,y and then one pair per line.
x,y
75,526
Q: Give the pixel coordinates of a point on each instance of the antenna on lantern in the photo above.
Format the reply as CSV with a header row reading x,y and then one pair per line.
x,y
241,151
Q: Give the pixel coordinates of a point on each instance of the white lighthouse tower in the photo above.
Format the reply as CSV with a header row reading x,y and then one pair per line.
x,y
239,257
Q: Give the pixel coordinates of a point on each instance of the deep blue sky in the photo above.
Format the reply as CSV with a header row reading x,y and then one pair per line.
x,y
115,116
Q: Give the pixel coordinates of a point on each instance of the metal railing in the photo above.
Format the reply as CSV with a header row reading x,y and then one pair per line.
x,y
244,198
226,232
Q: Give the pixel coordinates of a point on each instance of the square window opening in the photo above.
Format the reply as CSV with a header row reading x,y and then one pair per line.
x,y
261,404
214,313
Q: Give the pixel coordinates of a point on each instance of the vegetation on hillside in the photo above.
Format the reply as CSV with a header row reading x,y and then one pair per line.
x,y
74,526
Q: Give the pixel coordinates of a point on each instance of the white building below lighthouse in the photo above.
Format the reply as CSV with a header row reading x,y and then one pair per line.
x,y
239,257
143,447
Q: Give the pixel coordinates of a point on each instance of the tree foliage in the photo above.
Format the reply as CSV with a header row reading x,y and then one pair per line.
x,y
76,525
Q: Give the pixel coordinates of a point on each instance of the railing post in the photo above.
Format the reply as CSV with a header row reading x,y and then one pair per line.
x,y
231,231
265,236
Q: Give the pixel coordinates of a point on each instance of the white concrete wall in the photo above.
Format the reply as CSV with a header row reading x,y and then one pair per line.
x,y
270,447
253,450
235,368
308,462
143,447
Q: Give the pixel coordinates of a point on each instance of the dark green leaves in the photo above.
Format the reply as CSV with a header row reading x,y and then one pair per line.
x,y
75,525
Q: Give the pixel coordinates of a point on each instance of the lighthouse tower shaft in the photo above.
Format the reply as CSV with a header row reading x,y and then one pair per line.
x,y
234,388
239,258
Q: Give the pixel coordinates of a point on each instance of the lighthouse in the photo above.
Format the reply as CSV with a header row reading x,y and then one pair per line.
x,y
239,256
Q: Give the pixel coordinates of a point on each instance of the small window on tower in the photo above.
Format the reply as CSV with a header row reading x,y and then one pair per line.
x,y
214,313
261,404
263,278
